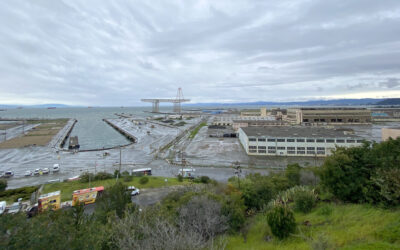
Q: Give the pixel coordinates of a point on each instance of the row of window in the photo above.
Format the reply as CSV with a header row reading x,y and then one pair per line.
x,y
306,140
291,152
284,148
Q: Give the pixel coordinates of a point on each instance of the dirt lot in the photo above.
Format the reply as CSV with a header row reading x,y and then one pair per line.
x,y
4,126
38,136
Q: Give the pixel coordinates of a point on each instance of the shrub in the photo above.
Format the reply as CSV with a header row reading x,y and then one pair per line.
x,y
292,173
205,179
143,180
125,173
85,177
281,221
388,181
3,185
180,178
127,178
116,173
103,176
234,209
304,201
23,192
363,174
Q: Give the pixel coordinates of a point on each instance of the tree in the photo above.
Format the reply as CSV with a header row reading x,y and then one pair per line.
x,y
203,215
114,199
3,185
347,172
363,174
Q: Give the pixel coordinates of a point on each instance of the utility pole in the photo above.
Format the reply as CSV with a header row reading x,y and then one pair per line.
x,y
238,171
120,158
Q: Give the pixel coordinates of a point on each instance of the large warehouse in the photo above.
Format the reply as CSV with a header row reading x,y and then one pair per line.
x,y
294,141
328,115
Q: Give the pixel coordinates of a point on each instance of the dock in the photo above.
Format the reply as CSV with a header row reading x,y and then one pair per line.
x,y
59,139
122,131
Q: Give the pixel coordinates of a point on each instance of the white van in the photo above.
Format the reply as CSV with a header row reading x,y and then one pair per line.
x,y
2,207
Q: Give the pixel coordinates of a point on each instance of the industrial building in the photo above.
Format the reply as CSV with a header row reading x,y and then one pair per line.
x,y
393,133
262,112
294,141
243,123
315,116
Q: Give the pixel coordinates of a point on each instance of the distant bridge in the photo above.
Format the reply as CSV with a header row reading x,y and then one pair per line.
x,y
177,102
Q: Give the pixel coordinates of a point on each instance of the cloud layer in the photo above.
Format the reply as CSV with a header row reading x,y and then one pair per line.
x,y
114,53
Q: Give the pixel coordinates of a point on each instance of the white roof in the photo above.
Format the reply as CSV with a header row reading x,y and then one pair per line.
x,y
142,169
50,194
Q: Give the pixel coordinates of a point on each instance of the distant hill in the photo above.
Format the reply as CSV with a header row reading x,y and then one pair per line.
x,y
4,106
391,101
337,102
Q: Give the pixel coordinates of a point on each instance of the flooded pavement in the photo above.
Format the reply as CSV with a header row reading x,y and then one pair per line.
x,y
210,156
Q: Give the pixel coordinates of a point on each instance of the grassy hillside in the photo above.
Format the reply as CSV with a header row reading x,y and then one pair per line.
x,y
335,226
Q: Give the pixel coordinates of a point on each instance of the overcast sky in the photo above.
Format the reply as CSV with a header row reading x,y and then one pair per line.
x,y
108,53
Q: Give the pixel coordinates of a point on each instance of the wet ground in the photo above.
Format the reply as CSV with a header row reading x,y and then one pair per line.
x,y
208,155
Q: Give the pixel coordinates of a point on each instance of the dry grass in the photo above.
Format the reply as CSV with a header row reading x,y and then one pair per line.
x,y
4,126
39,136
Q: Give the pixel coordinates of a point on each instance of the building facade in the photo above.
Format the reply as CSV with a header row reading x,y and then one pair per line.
x,y
328,116
243,123
294,141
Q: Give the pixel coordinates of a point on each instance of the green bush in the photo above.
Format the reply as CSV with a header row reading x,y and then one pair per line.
x,y
258,190
304,201
86,177
103,176
127,178
205,179
3,185
180,178
234,209
388,181
292,173
23,192
361,174
143,180
281,221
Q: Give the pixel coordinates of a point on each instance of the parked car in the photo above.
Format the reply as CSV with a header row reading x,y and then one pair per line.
x,y
28,173
46,171
134,191
37,171
56,168
53,181
15,208
3,205
8,174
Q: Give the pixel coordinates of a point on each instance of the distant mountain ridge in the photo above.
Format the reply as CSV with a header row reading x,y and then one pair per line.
x,y
336,102
5,106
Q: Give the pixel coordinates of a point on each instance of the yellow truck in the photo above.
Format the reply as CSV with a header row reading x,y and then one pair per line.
x,y
49,201
86,196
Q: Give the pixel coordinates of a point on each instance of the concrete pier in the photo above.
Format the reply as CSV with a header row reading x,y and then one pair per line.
x,y
121,130
59,139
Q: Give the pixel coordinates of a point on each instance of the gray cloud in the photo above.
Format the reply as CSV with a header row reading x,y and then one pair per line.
x,y
390,83
117,52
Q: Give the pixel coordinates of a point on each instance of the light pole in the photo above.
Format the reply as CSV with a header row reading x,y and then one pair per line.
x,y
238,171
